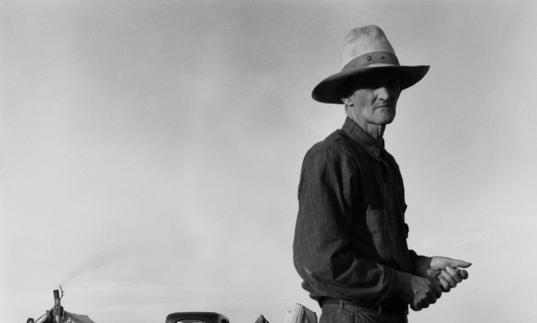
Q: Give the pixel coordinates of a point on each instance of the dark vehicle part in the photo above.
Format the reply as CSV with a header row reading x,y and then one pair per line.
x,y
57,311
196,317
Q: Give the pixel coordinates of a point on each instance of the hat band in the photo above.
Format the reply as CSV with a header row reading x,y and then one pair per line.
x,y
366,59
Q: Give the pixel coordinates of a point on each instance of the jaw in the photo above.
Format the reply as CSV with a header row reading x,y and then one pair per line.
x,y
383,116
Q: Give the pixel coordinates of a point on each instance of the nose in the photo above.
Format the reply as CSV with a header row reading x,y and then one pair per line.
x,y
385,93
388,92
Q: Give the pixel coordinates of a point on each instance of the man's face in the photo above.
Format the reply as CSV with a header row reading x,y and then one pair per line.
x,y
373,102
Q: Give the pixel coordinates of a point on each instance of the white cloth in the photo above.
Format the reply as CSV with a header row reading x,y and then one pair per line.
x,y
300,314
77,318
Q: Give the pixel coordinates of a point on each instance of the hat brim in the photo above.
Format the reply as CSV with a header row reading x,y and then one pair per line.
x,y
335,87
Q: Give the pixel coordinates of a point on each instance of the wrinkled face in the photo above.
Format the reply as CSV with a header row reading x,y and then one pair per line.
x,y
373,101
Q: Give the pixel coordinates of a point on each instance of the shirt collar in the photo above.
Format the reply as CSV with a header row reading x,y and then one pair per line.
x,y
357,134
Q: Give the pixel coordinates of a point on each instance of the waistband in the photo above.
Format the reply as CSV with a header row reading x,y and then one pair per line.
x,y
387,308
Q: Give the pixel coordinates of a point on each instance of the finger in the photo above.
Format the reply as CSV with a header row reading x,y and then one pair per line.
x,y
430,297
444,283
457,263
463,273
454,274
436,289
449,278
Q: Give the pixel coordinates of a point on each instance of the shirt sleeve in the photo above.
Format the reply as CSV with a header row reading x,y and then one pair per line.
x,y
322,249
413,255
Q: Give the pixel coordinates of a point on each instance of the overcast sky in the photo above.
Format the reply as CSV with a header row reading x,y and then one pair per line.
x,y
150,151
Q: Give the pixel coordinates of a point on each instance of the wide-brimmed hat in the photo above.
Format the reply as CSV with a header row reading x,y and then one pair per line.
x,y
366,52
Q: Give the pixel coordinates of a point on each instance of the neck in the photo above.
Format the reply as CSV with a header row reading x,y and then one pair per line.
x,y
375,131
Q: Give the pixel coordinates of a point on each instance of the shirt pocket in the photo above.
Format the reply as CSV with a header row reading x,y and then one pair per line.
x,y
380,227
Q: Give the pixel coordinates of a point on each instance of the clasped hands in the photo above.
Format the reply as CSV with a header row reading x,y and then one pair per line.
x,y
432,276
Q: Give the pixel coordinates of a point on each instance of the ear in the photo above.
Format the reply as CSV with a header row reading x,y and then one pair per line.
x,y
347,102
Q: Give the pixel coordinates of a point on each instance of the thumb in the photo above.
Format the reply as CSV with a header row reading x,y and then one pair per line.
x,y
454,263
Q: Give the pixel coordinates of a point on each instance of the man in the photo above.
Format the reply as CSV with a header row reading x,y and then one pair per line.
x,y
350,238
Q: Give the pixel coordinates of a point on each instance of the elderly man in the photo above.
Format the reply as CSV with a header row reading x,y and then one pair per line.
x,y
350,238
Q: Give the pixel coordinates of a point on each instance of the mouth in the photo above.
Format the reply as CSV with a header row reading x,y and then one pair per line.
x,y
385,106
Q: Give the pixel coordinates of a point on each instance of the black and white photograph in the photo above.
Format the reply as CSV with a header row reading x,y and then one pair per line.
x,y
218,161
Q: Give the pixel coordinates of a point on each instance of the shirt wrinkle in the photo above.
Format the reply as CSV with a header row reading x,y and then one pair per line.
x,y
350,233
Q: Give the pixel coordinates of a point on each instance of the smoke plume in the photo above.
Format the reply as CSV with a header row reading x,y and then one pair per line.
x,y
91,264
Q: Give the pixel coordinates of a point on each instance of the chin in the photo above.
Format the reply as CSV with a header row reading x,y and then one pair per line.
x,y
386,120
384,117
390,120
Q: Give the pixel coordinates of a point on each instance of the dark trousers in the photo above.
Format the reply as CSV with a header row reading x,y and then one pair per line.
x,y
345,313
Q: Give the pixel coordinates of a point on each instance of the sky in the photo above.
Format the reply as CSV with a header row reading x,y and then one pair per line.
x,y
150,151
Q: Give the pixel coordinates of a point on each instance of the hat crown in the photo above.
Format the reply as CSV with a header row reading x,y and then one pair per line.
x,y
363,40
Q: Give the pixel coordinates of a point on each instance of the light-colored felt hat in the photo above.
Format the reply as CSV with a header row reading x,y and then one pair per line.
x,y
366,52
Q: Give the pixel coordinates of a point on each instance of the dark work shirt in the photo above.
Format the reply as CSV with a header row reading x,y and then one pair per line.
x,y
350,232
